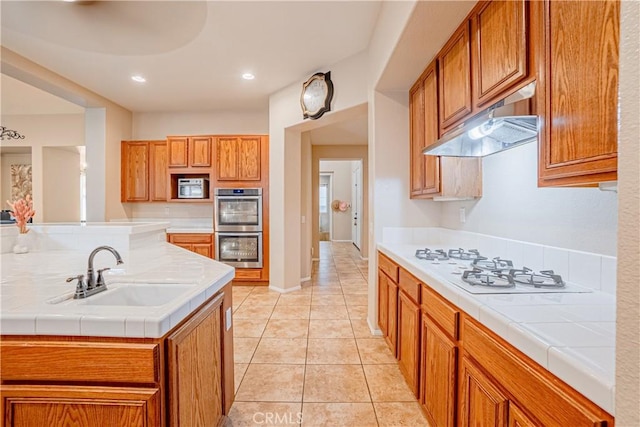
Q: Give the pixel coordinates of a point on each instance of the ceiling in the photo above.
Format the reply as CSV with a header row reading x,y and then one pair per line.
x,y
192,53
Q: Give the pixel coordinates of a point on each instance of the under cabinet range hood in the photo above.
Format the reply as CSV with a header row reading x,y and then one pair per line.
x,y
506,124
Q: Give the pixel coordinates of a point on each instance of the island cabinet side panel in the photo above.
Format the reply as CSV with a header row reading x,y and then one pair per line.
x,y
62,406
195,371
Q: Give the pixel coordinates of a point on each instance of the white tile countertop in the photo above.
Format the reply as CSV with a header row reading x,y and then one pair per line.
x,y
570,334
30,283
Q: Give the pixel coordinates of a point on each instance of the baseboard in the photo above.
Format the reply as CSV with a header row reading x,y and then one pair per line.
x,y
375,331
285,291
305,279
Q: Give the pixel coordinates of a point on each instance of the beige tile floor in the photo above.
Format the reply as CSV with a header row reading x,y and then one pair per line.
x,y
308,358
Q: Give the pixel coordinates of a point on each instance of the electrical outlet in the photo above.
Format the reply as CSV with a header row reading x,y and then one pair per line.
x,y
463,215
303,219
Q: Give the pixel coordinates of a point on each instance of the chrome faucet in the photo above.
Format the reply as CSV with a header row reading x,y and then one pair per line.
x,y
93,284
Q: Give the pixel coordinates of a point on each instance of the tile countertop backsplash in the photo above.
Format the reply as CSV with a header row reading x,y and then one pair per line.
x,y
30,282
571,335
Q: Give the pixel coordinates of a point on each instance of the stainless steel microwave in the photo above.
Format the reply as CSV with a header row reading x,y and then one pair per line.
x,y
193,188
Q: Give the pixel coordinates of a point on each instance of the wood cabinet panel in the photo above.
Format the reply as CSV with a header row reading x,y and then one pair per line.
x,y
200,151
177,152
482,403
439,374
134,171
158,171
227,158
416,128
431,180
499,39
392,313
454,62
195,374
63,406
203,249
249,158
88,362
517,418
199,243
383,303
408,341
445,315
526,381
409,285
579,145
249,274
388,267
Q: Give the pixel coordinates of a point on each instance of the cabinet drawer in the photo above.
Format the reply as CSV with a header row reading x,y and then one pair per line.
x,y
442,312
248,274
190,238
86,362
410,285
388,267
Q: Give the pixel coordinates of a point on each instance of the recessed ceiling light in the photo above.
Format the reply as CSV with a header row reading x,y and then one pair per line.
x,y
248,76
138,78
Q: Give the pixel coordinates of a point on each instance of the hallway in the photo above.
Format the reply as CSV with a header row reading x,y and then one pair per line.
x,y
308,356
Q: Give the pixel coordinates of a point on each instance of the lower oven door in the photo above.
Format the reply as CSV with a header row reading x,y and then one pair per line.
x,y
241,250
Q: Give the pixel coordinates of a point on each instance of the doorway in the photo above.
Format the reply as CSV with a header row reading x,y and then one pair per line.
x,y
324,202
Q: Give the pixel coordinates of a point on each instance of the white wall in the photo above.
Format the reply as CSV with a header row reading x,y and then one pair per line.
x,y
285,127
61,176
513,206
628,292
161,125
44,130
341,190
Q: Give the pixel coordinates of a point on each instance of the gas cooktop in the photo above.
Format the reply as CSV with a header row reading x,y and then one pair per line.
x,y
477,274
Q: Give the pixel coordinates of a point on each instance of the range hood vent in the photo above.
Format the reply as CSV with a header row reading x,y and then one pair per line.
x,y
504,125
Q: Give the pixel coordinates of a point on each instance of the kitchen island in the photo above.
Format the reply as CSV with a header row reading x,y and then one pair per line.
x,y
161,356
541,353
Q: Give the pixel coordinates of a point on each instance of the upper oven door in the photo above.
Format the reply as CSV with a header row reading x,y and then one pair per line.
x,y
238,213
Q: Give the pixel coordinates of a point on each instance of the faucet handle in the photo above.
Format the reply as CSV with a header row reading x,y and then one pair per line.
x,y
81,287
100,279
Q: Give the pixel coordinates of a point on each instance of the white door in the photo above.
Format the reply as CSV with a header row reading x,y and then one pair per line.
x,y
356,204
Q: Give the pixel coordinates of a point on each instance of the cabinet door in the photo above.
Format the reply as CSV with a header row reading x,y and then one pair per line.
x,y
135,171
158,171
249,158
416,117
177,152
409,341
517,418
580,138
200,151
481,402
392,317
62,406
438,370
227,158
195,369
431,164
203,249
454,64
499,39
383,303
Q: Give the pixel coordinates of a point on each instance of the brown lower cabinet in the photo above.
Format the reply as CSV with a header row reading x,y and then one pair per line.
x,y
195,242
182,379
464,374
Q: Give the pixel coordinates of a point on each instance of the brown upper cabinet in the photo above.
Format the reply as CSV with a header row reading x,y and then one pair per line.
x,y
454,66
433,176
143,171
579,138
499,57
189,152
238,158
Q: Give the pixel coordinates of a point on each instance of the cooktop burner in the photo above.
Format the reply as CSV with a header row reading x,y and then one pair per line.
x,y
478,274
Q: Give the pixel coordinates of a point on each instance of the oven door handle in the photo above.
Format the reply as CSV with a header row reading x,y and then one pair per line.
x,y
241,198
239,233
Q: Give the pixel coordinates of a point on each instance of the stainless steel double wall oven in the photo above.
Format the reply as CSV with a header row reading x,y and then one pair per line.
x,y
238,226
